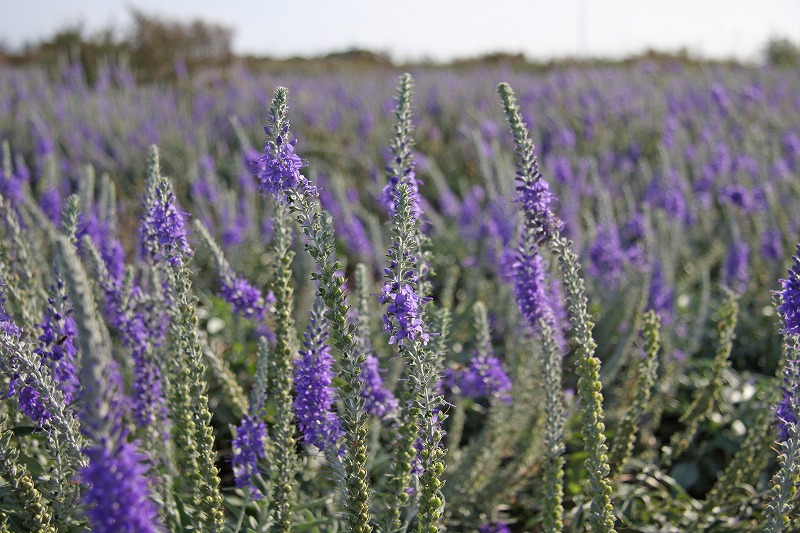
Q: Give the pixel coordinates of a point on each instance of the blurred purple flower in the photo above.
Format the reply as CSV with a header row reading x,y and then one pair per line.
x,y
379,401
736,273
118,498
248,448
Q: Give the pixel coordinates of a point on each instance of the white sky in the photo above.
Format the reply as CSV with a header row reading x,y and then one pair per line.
x,y
443,29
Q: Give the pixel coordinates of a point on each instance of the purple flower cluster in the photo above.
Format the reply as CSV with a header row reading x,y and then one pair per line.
x,y
408,177
7,324
379,401
312,383
101,234
736,273
57,341
535,196
785,414
118,497
605,255
494,527
164,229
790,298
484,378
661,295
27,396
278,170
402,314
247,301
248,448
530,289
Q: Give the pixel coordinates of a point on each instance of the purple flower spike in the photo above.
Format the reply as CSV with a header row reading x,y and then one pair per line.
x,y
790,298
312,382
118,495
785,415
403,309
485,378
247,301
7,324
278,170
530,289
57,341
164,228
248,448
736,273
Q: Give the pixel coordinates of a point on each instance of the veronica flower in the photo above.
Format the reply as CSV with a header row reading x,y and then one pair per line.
x,y
312,383
735,195
772,244
484,378
23,389
248,448
118,497
403,310
7,324
790,298
530,288
278,169
736,274
247,301
379,401
57,341
494,527
785,413
163,231
661,294
605,255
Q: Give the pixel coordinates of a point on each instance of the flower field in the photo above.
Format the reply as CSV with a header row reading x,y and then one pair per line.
x,y
464,299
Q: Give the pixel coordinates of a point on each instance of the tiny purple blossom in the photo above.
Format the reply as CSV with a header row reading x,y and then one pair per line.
x,y
530,289
785,415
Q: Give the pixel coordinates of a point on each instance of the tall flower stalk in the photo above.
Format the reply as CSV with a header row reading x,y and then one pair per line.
x,y
280,378
279,176
648,368
164,243
533,192
405,293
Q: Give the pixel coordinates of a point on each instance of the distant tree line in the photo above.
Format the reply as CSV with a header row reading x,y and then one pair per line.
x,y
154,48
158,49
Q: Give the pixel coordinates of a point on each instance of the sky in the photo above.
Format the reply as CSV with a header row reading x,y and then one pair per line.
x,y
441,30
